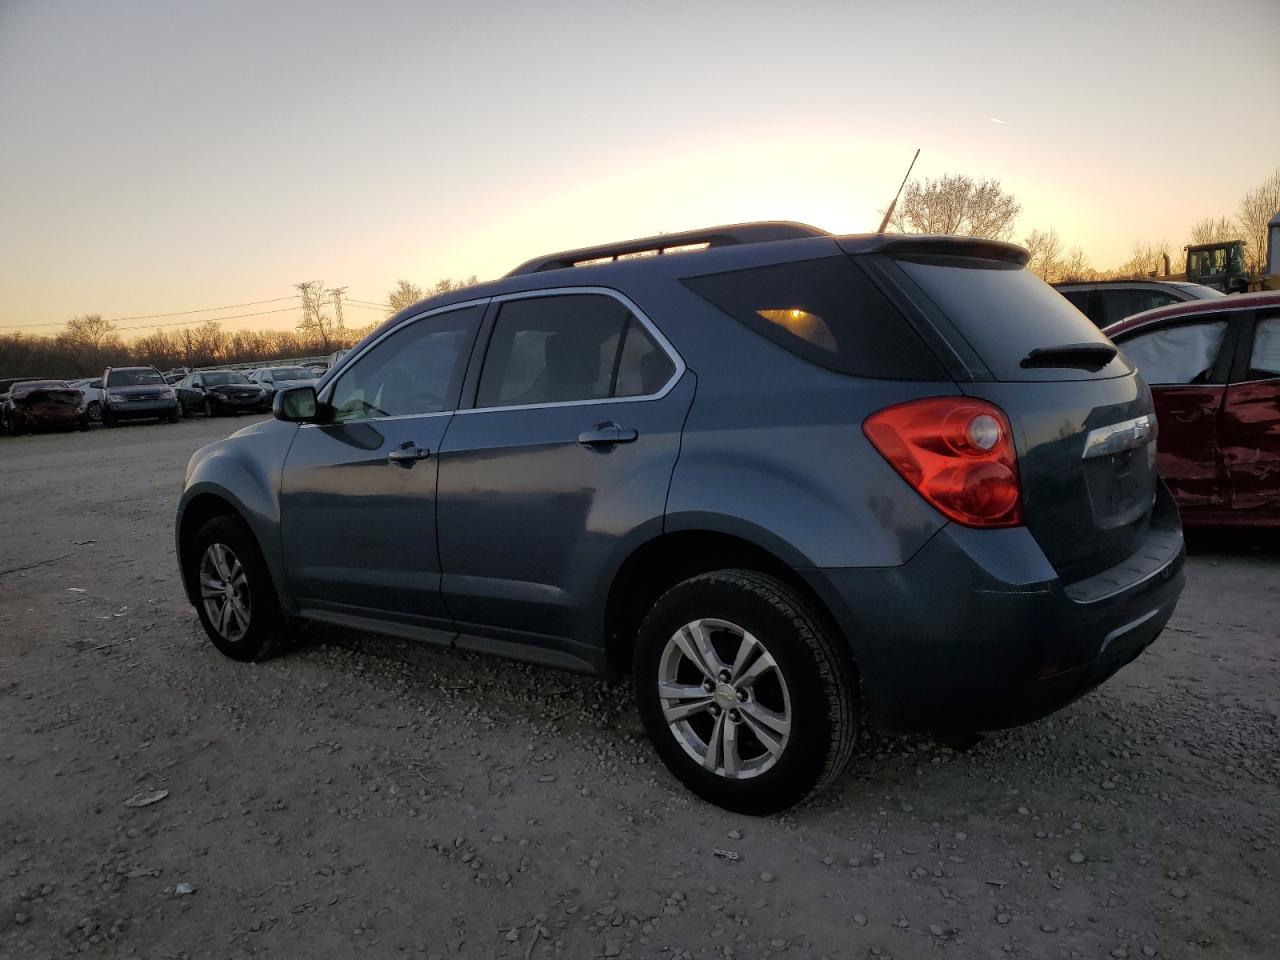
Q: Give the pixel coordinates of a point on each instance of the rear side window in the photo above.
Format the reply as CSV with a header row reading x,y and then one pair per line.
x,y
1004,311
569,348
828,312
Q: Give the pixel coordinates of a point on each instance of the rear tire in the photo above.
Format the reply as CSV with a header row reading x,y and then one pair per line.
x,y
235,598
767,715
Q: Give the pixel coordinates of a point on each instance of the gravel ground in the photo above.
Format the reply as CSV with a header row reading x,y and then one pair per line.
x,y
372,796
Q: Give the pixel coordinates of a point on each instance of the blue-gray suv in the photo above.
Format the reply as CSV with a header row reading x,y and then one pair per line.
x,y
787,480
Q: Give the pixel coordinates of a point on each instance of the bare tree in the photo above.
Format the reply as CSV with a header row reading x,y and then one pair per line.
x,y
90,342
315,324
1148,259
1256,210
1210,230
1076,267
1045,249
957,205
404,295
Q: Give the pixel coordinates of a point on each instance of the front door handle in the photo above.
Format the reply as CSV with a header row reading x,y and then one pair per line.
x,y
408,455
606,435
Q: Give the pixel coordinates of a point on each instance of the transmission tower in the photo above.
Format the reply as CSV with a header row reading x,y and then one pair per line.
x,y
337,307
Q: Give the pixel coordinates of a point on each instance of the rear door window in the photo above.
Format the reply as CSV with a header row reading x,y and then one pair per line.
x,y
569,348
1004,311
1182,353
828,312
1264,359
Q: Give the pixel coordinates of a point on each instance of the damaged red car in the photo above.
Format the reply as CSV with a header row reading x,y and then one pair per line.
x,y
1214,371
33,404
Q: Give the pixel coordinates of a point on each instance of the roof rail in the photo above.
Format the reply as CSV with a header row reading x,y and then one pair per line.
x,y
728,236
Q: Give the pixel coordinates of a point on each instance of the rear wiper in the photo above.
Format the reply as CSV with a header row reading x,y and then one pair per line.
x,y
1088,356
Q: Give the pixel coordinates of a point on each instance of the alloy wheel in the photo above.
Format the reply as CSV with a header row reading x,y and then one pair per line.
x,y
224,591
724,698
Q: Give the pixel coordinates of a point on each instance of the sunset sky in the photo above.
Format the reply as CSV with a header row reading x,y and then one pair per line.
x,y
162,156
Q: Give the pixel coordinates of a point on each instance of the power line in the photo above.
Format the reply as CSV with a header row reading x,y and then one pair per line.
x,y
153,316
239,316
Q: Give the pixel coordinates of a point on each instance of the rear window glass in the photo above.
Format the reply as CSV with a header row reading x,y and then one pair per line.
x,y
1005,311
828,312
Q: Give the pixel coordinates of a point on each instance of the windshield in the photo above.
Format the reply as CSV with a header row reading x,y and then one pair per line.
x,y
220,378
292,373
138,377
1199,291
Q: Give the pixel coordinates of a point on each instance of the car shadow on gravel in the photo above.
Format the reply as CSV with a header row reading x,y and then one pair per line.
x,y
514,694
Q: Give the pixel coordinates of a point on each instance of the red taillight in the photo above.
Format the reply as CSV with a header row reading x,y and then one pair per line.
x,y
957,453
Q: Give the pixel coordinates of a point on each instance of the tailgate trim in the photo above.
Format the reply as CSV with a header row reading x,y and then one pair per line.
x,y
1118,437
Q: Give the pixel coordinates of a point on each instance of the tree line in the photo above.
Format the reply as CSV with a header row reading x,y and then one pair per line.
x,y
964,206
954,204
88,344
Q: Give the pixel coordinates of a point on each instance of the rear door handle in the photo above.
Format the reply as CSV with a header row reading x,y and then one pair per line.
x,y
408,455
606,435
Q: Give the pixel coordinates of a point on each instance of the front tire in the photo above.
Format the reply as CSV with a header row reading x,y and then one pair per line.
x,y
208,408
95,411
748,696
235,598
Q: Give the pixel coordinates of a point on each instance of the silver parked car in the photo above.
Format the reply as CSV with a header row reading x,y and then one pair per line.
x,y
91,388
278,378
1109,301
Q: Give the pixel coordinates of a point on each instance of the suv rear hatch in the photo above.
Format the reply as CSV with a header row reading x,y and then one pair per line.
x,y
1083,421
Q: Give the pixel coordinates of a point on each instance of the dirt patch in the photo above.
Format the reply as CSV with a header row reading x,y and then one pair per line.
x,y
375,797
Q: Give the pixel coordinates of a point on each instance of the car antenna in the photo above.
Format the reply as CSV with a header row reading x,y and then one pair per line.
x,y
889,213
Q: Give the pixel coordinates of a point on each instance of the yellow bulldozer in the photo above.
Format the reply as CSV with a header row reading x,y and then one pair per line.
x,y
1221,265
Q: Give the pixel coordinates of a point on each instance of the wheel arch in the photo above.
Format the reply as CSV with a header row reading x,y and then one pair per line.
x,y
660,563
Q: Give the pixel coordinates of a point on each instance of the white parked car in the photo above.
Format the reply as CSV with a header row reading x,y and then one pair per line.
x,y
91,388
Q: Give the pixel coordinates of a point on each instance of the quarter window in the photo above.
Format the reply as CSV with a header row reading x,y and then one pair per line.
x,y
416,370
561,349
1184,353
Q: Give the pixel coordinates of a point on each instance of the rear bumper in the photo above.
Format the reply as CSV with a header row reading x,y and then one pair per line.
x,y
976,631
142,409
61,418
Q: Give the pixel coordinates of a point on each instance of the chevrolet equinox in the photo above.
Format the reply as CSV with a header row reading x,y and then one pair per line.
x,y
787,480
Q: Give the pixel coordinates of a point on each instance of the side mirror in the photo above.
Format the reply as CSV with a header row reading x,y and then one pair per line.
x,y
296,405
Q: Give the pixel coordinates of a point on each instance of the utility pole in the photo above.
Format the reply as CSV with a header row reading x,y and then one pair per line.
x,y
337,308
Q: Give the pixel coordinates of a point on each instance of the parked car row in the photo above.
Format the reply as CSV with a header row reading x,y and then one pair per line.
x,y
127,394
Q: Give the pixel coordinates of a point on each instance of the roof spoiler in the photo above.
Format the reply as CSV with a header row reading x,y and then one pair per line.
x,y
905,245
727,236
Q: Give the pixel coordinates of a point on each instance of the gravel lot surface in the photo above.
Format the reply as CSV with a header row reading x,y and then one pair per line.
x,y
375,798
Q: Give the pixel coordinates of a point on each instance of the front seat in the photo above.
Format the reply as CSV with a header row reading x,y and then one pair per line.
x,y
571,371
